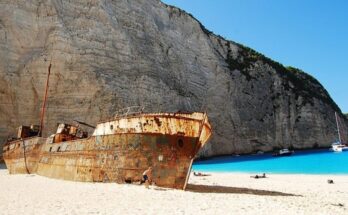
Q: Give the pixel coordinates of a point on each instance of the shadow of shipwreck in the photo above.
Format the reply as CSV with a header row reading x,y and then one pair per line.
x,y
2,162
234,190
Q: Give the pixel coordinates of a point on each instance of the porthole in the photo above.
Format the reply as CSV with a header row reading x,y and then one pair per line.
x,y
58,150
50,149
180,143
111,127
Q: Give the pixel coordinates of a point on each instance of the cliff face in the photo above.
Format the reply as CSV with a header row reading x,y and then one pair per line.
x,y
107,55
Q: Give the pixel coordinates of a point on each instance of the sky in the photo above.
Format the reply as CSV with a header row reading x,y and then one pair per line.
x,y
311,35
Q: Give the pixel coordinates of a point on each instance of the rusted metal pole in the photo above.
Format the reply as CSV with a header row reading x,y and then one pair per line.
x,y
44,102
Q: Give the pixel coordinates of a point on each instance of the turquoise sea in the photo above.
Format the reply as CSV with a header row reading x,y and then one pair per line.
x,y
301,162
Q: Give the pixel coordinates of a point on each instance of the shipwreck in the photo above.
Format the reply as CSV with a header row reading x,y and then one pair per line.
x,y
119,149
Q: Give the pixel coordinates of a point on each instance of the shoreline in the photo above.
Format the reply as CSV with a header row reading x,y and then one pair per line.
x,y
270,173
235,193
264,153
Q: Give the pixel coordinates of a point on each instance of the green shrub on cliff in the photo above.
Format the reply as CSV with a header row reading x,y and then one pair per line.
x,y
301,83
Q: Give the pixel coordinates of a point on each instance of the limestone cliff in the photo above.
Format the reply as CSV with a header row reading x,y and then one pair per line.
x,y
107,55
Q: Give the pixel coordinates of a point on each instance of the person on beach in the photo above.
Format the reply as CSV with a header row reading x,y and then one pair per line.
x,y
259,176
200,174
147,177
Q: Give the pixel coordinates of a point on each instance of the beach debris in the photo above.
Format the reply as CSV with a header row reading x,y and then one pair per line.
x,y
330,181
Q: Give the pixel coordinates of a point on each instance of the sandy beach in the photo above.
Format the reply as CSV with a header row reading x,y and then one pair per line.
x,y
220,193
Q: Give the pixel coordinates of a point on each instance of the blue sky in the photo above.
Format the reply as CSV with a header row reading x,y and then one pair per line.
x,y
311,35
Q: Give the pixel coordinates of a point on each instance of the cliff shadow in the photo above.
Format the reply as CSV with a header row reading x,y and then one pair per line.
x,y
2,165
233,190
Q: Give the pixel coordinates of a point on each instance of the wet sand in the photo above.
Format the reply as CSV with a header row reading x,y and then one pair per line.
x,y
216,194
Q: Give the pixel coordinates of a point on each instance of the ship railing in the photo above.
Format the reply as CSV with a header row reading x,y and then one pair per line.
x,y
129,111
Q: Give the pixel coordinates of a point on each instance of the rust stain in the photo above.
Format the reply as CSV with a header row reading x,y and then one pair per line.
x,y
118,151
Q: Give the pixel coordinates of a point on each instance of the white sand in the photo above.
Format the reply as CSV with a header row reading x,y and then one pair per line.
x,y
32,194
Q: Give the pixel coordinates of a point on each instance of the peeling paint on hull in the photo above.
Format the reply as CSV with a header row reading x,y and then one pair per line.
x,y
118,152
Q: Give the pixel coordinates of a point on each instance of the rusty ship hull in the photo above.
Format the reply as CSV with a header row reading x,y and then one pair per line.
x,y
118,151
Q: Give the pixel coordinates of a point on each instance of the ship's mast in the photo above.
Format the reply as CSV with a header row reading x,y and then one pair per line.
x,y
338,128
44,102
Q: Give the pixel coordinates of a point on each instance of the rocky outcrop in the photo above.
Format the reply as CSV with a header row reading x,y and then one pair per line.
x,y
107,55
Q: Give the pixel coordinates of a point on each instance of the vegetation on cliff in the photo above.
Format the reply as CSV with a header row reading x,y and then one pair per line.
x,y
301,83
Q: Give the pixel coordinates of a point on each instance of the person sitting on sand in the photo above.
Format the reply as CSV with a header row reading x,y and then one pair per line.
x,y
200,174
147,176
259,176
